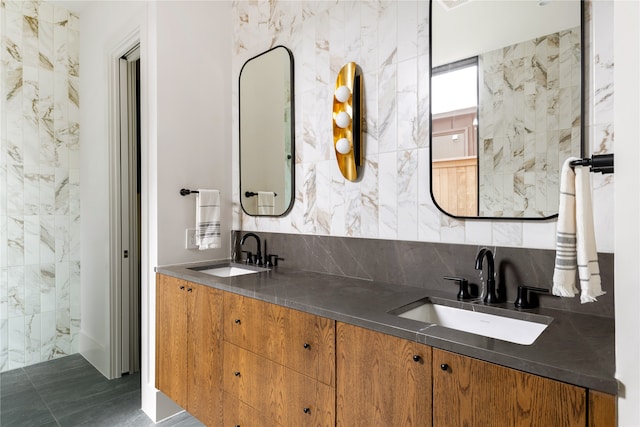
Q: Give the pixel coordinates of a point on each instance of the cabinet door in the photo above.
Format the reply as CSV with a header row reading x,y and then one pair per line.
x,y
602,409
310,345
300,341
381,380
279,393
470,392
171,338
204,317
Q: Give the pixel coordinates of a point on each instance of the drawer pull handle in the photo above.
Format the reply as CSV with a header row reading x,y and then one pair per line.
x,y
444,367
236,373
416,358
190,290
182,288
307,346
237,321
307,410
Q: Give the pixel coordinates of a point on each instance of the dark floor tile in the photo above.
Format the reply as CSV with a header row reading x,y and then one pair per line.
x,y
85,394
70,392
24,408
118,411
14,381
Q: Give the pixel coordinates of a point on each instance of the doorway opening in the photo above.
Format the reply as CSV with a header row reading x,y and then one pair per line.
x,y
130,211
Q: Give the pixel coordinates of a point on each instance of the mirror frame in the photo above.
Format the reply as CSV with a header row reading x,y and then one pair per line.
x,y
583,86
291,158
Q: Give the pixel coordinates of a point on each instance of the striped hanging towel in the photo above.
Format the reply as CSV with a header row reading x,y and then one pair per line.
x,y
575,237
208,219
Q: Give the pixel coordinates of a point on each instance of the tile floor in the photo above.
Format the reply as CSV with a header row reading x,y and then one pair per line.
x,y
70,392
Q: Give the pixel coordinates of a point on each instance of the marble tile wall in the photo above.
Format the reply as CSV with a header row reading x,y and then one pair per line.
x,y
39,183
529,122
390,41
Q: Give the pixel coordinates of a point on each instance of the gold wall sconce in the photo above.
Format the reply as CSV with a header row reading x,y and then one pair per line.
x,y
348,121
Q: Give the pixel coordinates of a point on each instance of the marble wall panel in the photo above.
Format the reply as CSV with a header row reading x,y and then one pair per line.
x,y
538,106
39,183
390,40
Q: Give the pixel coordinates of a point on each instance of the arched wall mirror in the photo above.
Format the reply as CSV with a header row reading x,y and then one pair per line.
x,y
506,104
267,133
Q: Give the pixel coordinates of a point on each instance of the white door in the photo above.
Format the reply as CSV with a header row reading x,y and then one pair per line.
x,y
130,211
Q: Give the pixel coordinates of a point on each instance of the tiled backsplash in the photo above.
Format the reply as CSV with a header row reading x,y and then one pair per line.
x,y
423,264
390,40
39,183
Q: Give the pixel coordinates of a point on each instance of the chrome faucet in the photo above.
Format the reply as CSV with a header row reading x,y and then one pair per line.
x,y
490,296
258,253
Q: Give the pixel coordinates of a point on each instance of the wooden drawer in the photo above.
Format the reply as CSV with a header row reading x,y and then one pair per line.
x,y
279,393
300,341
238,413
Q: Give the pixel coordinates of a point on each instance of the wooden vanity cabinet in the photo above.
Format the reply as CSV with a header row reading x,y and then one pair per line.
x,y
381,380
471,392
237,361
189,346
279,365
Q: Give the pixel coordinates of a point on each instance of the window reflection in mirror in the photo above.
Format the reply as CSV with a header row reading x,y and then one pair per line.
x,y
454,121
267,133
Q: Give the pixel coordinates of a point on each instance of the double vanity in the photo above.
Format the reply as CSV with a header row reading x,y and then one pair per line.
x,y
246,346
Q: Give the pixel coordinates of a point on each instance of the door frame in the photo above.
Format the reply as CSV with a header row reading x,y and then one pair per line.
x,y
126,45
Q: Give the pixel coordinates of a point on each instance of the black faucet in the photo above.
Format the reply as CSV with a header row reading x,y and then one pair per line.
x,y
258,253
490,296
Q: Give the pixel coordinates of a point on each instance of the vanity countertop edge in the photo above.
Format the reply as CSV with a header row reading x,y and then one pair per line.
x,y
575,348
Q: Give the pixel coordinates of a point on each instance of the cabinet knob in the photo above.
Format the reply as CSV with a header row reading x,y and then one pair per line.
x,y
444,366
307,410
416,358
182,288
236,373
190,290
237,321
307,346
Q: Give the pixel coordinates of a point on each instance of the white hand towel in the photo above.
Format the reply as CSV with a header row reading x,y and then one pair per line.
x,y
266,201
208,219
588,267
575,240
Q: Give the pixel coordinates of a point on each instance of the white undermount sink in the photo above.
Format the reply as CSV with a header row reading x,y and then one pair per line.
x,y
229,270
466,319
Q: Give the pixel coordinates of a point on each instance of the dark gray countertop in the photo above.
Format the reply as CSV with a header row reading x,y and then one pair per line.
x,y
574,348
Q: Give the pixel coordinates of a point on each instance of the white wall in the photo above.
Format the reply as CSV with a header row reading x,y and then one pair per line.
x,y
194,120
627,206
102,27
185,72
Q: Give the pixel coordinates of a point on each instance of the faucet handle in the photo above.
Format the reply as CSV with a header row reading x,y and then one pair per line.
x,y
523,300
271,260
249,259
463,293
